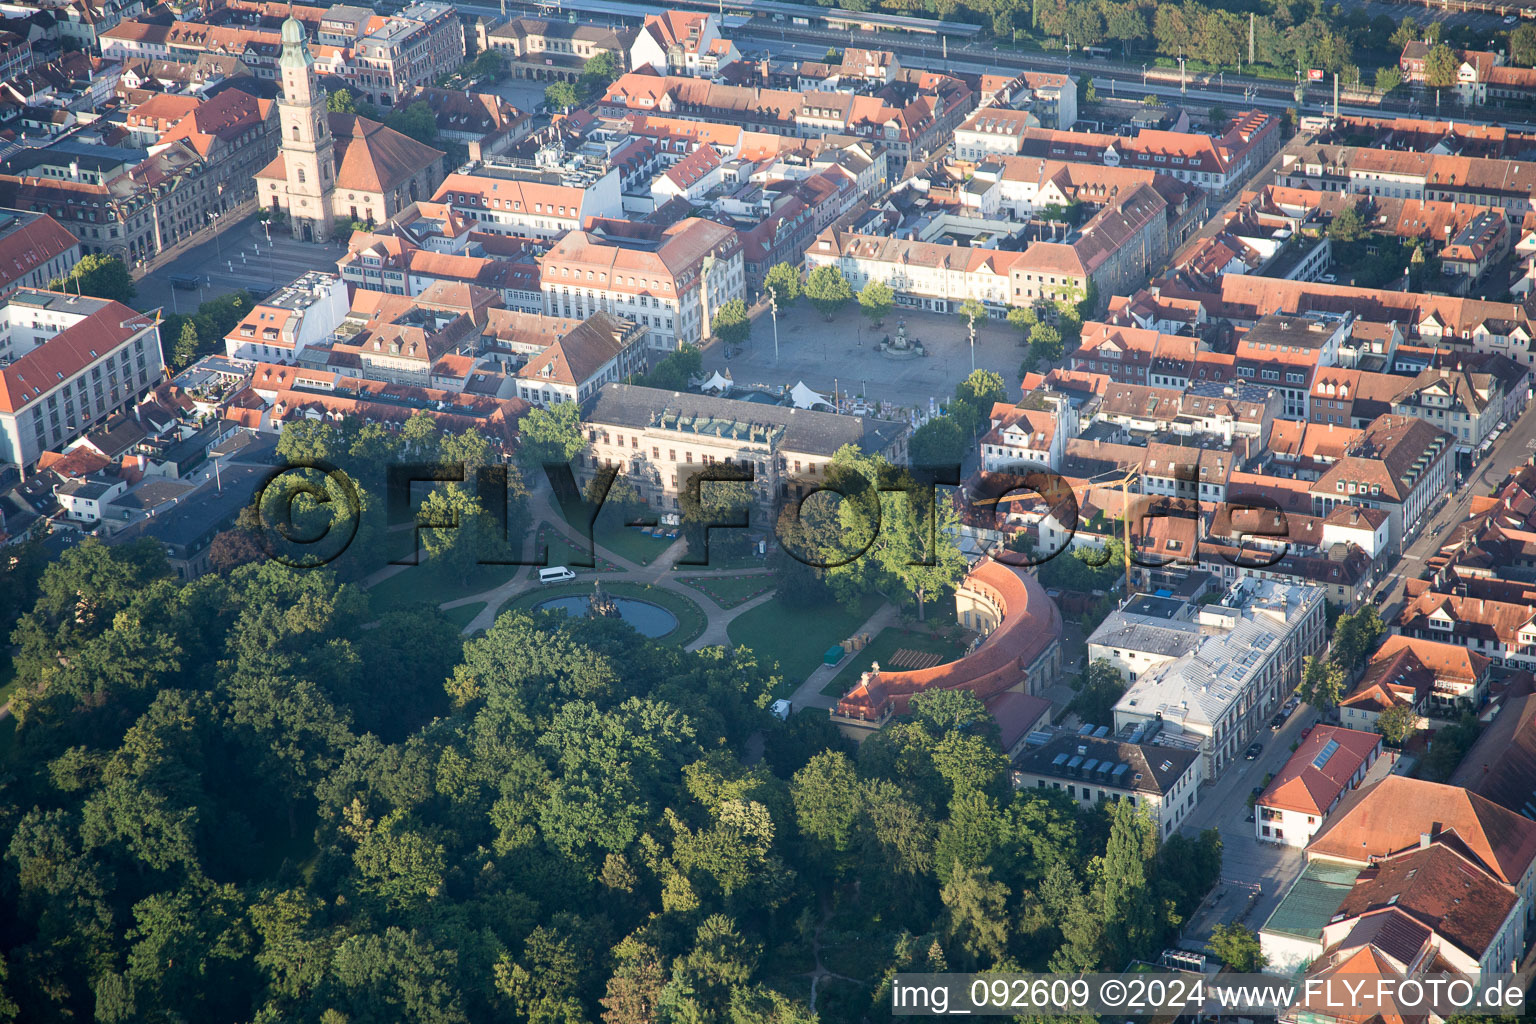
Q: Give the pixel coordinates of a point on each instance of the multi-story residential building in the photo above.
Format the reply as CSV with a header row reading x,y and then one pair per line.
x,y
1477,248
1329,763
397,53
513,201
1220,165
1502,184
1466,405
672,283
15,55
1031,433
537,48
303,314
1434,679
82,22
1284,352
1502,631
657,438
1461,324
1114,250
34,250
67,363
1050,95
235,132
682,43
993,131
1400,465
1019,187
1165,781
602,349
1220,693
911,125
124,202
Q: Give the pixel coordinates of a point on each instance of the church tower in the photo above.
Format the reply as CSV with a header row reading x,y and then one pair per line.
x,y
307,148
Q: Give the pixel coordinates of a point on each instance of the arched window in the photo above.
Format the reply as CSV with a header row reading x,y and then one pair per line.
x,y
295,133
301,175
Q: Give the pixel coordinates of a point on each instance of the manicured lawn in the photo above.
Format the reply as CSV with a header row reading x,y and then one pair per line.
x,y
730,591
629,543
690,617
462,615
563,552
719,561
425,582
796,638
883,649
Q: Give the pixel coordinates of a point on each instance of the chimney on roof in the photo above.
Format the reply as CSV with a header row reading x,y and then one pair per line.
x,y
1424,838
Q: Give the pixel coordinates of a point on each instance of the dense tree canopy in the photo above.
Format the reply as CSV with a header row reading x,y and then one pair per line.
x,y
255,797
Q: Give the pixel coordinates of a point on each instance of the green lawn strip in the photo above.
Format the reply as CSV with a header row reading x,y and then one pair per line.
x,y
796,638
563,552
430,584
690,617
883,648
730,591
629,543
718,561
462,615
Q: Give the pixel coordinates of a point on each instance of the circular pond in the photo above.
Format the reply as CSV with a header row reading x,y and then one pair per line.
x,y
648,619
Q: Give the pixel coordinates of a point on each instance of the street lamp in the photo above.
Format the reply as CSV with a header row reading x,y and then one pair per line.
x,y
1143,74
973,342
773,309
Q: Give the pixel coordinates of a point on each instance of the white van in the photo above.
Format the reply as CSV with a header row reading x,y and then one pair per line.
x,y
556,574
781,710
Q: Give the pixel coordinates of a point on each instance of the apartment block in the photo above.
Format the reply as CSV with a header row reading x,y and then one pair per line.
x,y
67,363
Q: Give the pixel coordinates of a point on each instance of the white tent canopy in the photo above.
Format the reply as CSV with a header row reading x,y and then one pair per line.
x,y
719,382
805,398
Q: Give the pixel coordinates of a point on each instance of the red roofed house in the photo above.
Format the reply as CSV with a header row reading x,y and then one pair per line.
x,y
1433,678
690,178
1329,763
1398,814
67,363
34,249
600,349
297,316
682,43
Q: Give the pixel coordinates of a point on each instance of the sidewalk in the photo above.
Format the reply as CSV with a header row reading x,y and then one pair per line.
x,y
808,694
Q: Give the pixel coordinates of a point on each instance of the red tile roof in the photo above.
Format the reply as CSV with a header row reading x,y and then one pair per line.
x,y
1308,787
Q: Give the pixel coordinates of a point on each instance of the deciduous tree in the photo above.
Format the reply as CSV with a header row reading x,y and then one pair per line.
x,y
875,301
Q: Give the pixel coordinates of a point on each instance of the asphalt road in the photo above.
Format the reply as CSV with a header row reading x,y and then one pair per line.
x,y
1254,875
1513,449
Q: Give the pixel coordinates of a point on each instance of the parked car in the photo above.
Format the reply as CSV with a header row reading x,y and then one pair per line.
x,y
1254,751
1277,723
1510,19
1292,704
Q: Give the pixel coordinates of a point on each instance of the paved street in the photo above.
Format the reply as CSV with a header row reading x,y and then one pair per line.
x,y
1245,862
240,257
1517,446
